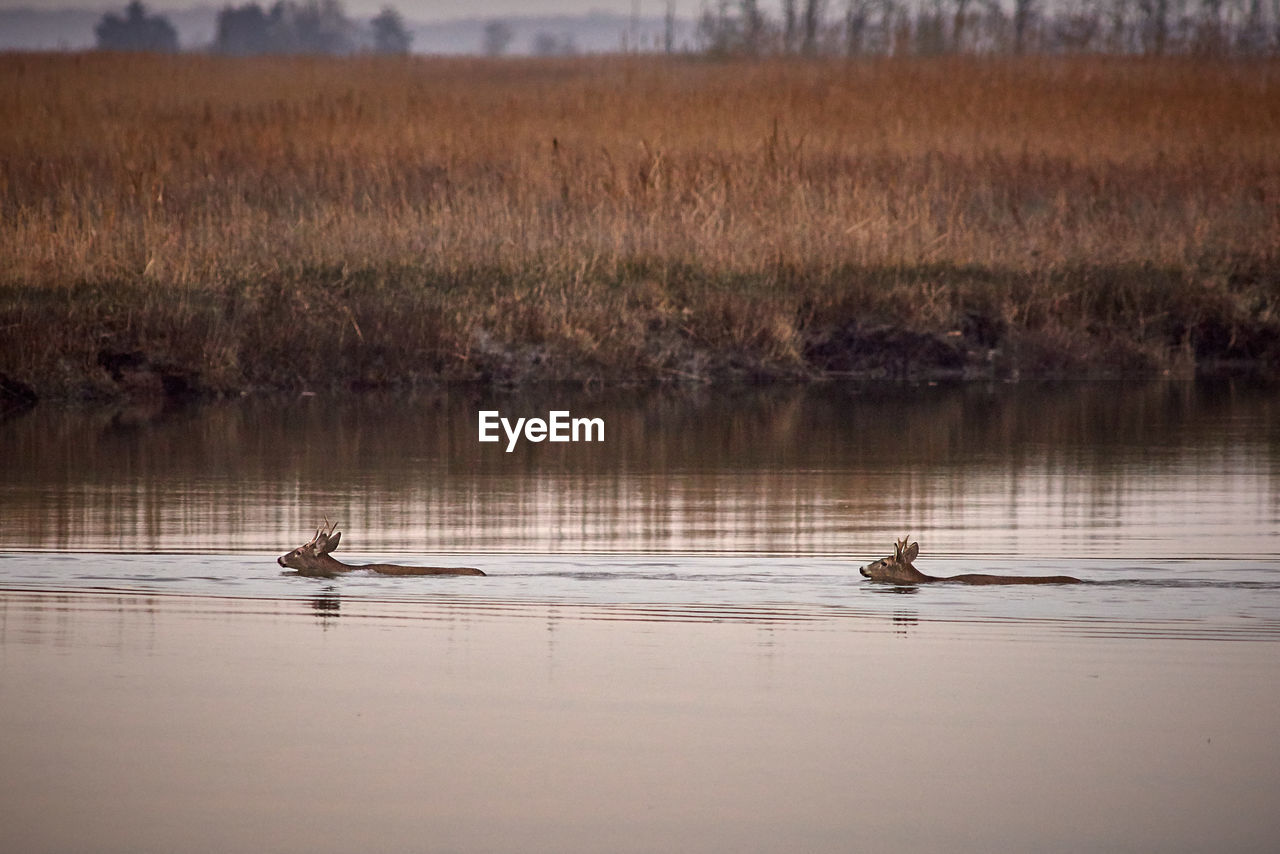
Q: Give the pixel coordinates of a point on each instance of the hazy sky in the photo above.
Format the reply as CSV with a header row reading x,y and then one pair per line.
x,y
422,10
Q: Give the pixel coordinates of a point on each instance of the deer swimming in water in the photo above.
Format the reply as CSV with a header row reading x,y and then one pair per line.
x,y
898,569
313,559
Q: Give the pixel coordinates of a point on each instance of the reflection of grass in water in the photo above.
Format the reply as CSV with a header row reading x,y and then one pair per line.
x,y
299,221
1046,473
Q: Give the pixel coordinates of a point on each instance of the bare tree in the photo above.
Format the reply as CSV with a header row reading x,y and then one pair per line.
x,y
1076,26
1210,31
958,21
1251,38
1155,25
717,30
789,26
857,19
1117,38
888,18
497,37
389,32
751,27
1023,12
812,22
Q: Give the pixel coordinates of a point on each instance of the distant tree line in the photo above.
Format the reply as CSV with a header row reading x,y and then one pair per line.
x,y
498,35
805,27
893,27
137,30
310,26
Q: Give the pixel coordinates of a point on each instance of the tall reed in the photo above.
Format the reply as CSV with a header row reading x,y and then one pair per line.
x,y
628,217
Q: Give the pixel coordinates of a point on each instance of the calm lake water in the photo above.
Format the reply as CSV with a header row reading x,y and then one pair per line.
x,y
673,649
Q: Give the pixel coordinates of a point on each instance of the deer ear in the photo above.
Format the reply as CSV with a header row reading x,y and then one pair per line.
x,y
330,544
911,552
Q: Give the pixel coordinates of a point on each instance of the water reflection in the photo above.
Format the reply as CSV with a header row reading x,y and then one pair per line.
x,y
60,620
606,702
620,727
904,622
128,622
1157,470
327,605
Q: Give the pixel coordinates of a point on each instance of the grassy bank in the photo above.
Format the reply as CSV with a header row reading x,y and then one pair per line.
x,y
189,222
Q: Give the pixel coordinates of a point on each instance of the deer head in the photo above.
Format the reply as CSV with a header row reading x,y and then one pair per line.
x,y
309,557
898,568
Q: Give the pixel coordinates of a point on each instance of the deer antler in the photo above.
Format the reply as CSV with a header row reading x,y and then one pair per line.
x,y
323,533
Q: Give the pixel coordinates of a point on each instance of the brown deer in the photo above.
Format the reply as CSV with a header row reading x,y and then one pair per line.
x,y
313,559
899,570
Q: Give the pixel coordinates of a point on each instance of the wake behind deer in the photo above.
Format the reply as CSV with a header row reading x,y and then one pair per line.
x,y
899,569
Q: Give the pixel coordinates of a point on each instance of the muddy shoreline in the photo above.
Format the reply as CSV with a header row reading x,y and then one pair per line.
x,y
339,330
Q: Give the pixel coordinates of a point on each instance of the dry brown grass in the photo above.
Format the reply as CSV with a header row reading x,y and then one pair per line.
x,y
279,220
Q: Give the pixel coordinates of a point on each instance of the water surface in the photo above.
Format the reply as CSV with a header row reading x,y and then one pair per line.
x,y
672,649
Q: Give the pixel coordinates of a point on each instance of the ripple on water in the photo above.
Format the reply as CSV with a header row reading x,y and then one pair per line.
x,y
1219,601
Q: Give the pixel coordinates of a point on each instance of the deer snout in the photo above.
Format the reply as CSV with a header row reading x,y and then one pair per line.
x,y
280,560
863,571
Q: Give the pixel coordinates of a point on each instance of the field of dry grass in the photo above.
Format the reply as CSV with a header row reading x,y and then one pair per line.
x,y
223,224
